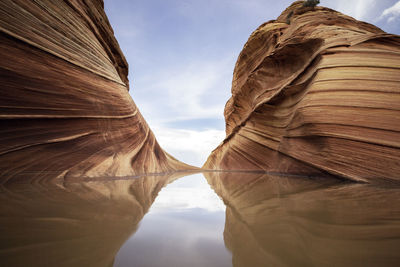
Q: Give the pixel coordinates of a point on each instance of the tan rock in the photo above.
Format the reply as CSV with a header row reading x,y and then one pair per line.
x,y
317,96
65,110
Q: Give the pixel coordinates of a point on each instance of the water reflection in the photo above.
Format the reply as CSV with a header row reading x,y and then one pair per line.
x,y
262,220
278,221
183,228
81,224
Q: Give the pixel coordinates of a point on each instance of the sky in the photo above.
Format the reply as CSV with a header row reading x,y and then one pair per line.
x,y
181,55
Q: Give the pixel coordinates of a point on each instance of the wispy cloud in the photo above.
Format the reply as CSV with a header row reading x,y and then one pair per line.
x,y
359,9
191,146
197,90
187,85
392,13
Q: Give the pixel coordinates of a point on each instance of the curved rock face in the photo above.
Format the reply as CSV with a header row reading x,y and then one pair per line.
x,y
315,92
65,109
286,221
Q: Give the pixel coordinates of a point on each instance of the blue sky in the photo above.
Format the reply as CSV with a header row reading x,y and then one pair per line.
x,y
181,55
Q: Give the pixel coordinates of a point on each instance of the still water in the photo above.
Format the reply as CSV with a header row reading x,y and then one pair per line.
x,y
183,227
210,219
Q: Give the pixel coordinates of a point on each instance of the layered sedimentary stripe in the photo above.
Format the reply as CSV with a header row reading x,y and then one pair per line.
x,y
65,110
325,98
73,30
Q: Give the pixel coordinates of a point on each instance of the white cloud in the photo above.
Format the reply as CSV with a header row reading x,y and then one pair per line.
x,y
192,147
359,9
177,92
392,13
186,87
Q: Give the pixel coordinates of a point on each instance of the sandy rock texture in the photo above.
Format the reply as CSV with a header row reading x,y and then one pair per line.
x,y
315,92
65,110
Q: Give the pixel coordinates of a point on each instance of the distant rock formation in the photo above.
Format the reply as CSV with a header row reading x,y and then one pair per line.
x,y
315,92
286,221
65,109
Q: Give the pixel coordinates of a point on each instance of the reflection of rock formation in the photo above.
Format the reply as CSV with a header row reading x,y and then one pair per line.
x,y
318,94
82,225
279,221
64,102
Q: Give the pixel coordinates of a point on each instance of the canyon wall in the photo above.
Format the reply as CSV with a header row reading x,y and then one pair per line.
x,y
65,110
315,92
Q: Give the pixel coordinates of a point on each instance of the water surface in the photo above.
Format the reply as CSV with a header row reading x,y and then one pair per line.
x,y
219,219
183,228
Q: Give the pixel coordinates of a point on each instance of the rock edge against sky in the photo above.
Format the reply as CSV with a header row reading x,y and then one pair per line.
x,y
65,110
315,92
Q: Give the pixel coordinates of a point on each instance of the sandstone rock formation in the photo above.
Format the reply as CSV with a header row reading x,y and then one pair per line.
x,y
286,221
65,110
82,224
315,92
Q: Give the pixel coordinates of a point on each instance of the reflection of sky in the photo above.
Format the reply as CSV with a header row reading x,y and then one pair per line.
x,y
191,192
184,227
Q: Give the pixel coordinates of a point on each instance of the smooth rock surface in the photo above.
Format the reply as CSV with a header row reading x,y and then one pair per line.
x,y
65,110
315,92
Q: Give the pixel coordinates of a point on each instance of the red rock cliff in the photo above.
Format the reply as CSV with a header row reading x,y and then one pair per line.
x,y
65,110
315,92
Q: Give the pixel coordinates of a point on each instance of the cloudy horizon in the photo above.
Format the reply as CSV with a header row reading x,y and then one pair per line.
x,y
181,55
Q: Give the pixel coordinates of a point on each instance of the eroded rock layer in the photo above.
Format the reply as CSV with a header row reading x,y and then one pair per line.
x,y
315,92
65,109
